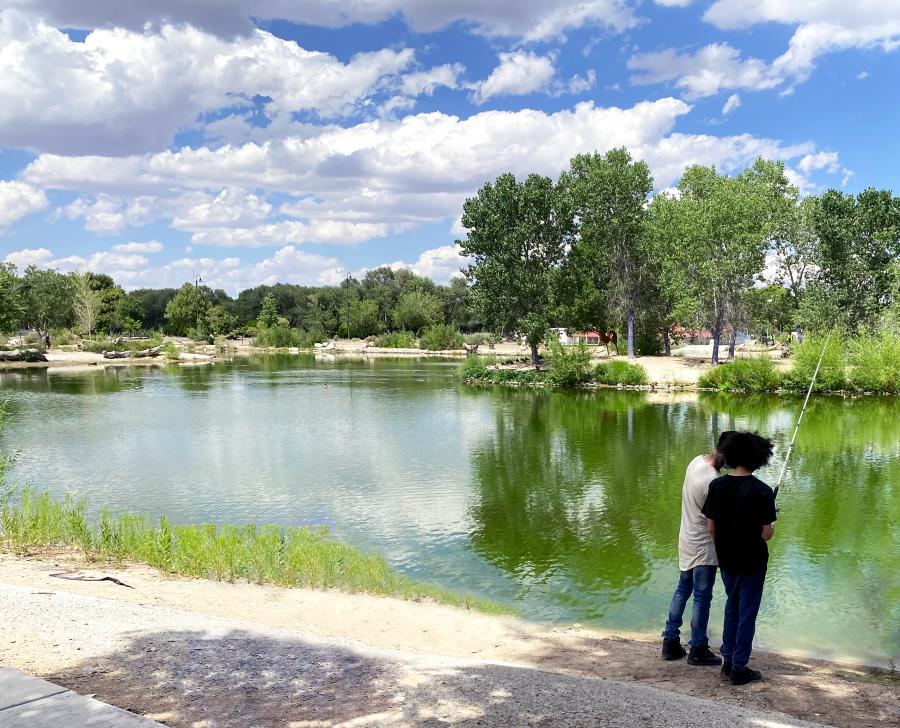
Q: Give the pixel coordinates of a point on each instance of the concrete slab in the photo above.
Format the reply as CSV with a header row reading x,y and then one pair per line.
x,y
17,688
70,710
29,702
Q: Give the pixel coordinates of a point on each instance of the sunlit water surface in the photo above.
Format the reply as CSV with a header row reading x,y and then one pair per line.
x,y
564,505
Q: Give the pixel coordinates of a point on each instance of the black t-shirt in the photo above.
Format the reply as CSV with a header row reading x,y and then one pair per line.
x,y
740,505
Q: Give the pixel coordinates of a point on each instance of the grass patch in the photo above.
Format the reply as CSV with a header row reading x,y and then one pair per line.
x,y
290,557
441,337
397,340
875,363
620,373
832,374
756,374
568,366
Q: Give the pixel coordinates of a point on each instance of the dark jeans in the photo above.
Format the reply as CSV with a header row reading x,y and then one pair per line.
x,y
699,580
744,595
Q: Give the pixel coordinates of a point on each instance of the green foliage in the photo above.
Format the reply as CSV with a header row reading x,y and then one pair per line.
x,y
290,557
12,306
220,321
187,311
832,374
518,233
397,340
171,351
756,374
481,338
47,298
618,372
568,366
875,363
268,313
441,337
475,367
417,309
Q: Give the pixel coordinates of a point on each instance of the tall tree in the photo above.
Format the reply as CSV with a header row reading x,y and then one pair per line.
x,y
85,304
268,312
11,304
417,309
518,233
47,298
609,197
186,313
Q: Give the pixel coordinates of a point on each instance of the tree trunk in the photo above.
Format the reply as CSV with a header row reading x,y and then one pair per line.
x,y
732,344
535,358
717,335
667,342
630,333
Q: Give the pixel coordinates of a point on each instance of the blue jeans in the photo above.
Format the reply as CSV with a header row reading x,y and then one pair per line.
x,y
699,581
744,596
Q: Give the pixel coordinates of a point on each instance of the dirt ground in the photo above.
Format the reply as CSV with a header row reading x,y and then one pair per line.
x,y
69,646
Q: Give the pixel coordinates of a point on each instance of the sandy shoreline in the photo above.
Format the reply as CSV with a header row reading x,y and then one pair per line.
x,y
82,654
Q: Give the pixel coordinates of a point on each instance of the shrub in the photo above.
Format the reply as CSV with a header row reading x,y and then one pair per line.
x,y
63,337
875,363
753,375
278,336
441,337
832,373
397,340
480,337
170,351
568,366
620,372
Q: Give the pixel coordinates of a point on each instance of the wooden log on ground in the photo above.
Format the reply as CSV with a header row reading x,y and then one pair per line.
x,y
142,354
26,355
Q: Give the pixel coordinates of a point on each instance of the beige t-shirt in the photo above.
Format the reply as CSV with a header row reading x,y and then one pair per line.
x,y
695,548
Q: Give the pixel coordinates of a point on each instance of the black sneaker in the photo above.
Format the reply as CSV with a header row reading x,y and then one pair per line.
x,y
726,668
742,677
703,656
672,650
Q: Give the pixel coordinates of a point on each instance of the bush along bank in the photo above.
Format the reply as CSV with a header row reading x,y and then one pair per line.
x,y
566,367
868,364
289,557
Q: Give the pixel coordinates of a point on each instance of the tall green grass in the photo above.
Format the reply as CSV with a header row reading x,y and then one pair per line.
x,y
568,366
397,340
290,557
875,363
620,373
441,337
751,375
832,374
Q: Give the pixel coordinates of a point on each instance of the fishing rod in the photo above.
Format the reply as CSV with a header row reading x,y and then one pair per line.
x,y
800,418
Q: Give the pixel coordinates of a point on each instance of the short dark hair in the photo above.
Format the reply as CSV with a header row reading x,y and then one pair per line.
x,y
723,438
748,449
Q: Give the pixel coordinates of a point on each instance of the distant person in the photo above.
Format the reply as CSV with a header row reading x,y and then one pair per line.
x,y
741,510
696,561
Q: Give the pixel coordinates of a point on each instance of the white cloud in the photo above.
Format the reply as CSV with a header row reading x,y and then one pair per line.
x,y
121,91
151,246
28,256
713,68
862,75
380,177
820,160
673,3
519,72
527,19
17,200
440,264
823,26
425,82
733,102
107,214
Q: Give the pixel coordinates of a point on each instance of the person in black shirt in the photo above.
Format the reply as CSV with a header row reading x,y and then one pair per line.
x,y
740,510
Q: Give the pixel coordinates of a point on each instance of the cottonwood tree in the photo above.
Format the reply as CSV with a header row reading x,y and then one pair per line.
x,y
518,234
47,299
417,309
609,195
11,304
186,313
268,312
85,304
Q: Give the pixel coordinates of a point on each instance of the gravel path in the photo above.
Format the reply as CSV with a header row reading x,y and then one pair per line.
x,y
194,670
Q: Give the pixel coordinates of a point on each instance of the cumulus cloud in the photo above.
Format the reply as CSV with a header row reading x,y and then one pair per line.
x,y
733,102
120,91
380,177
28,256
820,160
523,72
711,69
821,27
151,246
17,200
526,19
673,3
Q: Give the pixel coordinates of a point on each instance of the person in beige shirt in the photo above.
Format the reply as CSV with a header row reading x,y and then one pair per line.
x,y
697,563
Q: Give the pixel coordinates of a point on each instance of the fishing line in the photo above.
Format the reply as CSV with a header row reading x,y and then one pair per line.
x,y
800,418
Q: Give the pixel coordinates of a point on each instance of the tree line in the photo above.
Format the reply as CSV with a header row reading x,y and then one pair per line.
x,y
595,249
88,303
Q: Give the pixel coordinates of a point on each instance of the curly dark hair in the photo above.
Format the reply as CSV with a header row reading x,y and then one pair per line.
x,y
748,449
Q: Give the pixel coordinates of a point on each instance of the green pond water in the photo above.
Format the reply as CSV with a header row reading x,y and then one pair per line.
x,y
564,505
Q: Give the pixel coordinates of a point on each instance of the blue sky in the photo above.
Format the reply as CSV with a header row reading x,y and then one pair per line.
x,y
161,140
